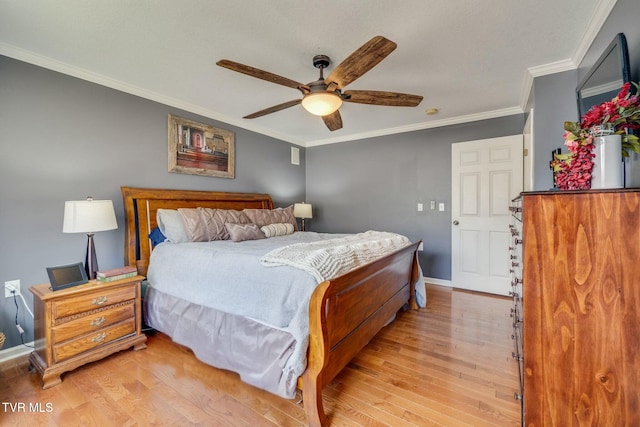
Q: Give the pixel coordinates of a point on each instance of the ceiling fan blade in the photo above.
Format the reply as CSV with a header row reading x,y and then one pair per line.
x,y
261,74
273,109
376,97
362,60
333,121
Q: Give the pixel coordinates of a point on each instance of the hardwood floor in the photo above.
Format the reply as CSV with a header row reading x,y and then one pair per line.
x,y
446,365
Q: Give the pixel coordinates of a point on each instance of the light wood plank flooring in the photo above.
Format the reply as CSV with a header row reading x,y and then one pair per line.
x,y
446,365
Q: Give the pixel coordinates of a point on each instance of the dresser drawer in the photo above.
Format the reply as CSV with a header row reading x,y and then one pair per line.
x,y
90,301
92,322
87,342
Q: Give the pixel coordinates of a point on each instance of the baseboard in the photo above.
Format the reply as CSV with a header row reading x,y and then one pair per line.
x,y
15,352
439,282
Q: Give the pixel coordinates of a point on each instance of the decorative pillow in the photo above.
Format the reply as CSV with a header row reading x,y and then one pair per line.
x,y
156,237
206,224
171,225
280,229
262,217
242,232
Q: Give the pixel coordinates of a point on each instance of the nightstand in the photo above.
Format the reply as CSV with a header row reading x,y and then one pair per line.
x,y
84,323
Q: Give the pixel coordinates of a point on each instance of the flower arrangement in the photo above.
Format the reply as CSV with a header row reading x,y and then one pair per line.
x,y
573,170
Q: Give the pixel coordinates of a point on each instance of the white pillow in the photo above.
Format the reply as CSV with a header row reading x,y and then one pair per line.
x,y
279,229
171,225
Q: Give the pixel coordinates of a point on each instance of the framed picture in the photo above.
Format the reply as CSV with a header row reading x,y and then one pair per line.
x,y
199,149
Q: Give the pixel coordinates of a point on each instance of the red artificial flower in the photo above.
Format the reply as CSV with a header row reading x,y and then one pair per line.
x,y
573,171
624,91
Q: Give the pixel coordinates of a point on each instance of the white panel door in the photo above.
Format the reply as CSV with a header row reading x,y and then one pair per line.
x,y
485,176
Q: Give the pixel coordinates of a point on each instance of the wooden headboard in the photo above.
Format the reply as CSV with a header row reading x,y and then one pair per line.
x,y
141,205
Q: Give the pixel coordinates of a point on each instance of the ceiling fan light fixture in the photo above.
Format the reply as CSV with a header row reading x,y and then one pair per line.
x,y
321,103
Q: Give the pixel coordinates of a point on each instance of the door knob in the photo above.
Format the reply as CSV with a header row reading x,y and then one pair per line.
x,y
456,222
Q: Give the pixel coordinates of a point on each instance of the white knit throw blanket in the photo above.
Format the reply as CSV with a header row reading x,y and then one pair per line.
x,y
327,259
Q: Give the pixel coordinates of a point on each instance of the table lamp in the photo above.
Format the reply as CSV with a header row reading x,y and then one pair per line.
x,y
302,211
89,216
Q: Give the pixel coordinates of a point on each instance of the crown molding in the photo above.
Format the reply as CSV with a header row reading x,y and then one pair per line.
x,y
603,9
80,73
420,126
61,67
600,15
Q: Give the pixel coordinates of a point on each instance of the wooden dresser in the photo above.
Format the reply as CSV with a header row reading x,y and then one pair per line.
x,y
581,301
83,324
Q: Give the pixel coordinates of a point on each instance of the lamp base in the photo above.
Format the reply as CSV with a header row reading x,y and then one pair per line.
x,y
302,224
90,260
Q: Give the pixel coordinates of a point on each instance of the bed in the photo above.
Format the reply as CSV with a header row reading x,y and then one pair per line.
x,y
343,314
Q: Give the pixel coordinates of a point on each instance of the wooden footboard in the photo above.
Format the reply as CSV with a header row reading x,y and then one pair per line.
x,y
346,312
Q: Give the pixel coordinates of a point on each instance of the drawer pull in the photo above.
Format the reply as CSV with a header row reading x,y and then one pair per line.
x,y
100,300
98,321
100,337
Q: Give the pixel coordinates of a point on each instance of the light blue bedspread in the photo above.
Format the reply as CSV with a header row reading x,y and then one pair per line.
x,y
228,276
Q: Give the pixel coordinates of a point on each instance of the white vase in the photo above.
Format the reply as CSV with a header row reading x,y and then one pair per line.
x,y
608,169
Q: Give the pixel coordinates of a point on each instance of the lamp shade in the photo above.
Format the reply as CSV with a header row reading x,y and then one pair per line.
x,y
89,216
302,210
321,103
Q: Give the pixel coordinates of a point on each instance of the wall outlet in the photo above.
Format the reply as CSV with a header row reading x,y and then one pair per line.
x,y
420,207
11,285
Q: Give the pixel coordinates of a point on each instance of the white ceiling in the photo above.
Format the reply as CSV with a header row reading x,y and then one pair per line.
x,y
471,59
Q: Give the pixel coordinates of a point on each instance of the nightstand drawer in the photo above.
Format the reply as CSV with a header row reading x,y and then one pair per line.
x,y
92,340
92,322
97,299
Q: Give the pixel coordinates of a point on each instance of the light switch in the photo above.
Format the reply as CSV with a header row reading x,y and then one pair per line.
x,y
420,207
441,207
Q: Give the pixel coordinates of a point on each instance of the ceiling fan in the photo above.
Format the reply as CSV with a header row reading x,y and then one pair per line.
x,y
323,97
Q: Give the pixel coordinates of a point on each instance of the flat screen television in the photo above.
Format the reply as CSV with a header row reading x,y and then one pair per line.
x,y
606,77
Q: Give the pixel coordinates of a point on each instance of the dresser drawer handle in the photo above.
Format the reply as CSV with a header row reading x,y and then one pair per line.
x,y
99,301
100,337
98,321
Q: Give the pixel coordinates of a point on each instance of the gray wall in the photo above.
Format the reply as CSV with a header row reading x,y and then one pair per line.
x,y
623,19
554,95
554,103
64,138
377,183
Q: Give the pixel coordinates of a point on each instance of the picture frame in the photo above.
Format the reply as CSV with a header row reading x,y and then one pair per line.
x,y
200,149
66,276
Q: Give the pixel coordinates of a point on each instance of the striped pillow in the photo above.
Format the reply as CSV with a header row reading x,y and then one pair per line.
x,y
279,229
